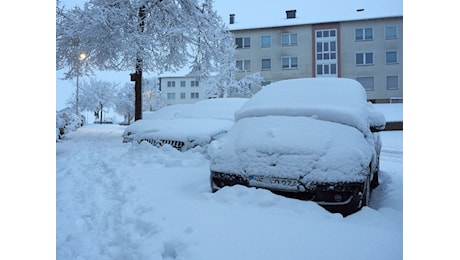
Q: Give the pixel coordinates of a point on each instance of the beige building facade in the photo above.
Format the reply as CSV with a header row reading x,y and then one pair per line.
x,y
368,50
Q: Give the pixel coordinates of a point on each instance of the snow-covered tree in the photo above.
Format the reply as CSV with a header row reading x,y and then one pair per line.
x,y
97,95
224,83
142,35
152,99
71,51
124,104
247,84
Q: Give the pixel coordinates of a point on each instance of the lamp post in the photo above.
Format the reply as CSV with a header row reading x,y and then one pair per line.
x,y
81,57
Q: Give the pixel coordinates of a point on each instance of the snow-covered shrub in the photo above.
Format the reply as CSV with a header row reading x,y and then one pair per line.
x,y
66,121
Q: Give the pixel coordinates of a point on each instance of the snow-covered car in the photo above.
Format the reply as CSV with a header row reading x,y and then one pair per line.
x,y
145,124
197,125
313,139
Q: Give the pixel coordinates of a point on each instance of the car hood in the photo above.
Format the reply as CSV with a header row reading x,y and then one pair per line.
x,y
293,147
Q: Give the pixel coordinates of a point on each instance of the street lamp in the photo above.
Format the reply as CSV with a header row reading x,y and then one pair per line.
x,y
81,57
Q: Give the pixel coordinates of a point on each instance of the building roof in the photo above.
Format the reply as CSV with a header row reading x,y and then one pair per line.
x,y
254,14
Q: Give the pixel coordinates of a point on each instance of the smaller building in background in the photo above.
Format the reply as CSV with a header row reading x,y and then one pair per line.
x,y
181,90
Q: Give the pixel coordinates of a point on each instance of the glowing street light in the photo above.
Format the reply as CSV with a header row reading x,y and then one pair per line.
x,y
81,57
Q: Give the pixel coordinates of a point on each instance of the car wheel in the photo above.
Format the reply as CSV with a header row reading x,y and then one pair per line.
x,y
375,179
355,205
366,193
213,186
360,199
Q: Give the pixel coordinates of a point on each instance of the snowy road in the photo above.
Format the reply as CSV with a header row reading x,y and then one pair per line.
x,y
135,201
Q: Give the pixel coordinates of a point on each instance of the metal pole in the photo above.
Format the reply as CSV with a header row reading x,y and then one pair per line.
x,y
81,57
76,93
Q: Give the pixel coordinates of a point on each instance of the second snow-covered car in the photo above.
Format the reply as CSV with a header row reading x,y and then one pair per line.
x,y
313,139
195,125
149,120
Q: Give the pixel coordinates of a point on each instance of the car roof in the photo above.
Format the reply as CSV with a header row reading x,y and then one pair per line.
x,y
208,110
166,112
339,100
217,108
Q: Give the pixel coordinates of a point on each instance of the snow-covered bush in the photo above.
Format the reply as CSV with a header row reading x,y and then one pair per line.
x,y
66,122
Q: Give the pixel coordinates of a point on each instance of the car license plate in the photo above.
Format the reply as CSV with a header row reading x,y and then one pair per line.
x,y
273,182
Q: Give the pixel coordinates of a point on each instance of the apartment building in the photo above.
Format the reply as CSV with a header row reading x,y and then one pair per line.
x,y
362,40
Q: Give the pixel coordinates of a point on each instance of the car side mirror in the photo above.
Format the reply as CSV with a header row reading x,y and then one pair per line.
x,y
377,128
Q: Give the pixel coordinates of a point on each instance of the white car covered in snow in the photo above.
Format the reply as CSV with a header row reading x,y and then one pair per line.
x,y
313,139
149,120
190,125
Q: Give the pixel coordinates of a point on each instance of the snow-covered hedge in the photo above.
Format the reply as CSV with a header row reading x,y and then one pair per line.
x,y
66,122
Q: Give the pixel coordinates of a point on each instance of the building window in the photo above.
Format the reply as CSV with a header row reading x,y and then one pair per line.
x,y
326,33
392,82
326,53
326,69
367,82
266,64
182,83
265,41
243,42
194,95
391,57
363,34
171,84
243,65
365,58
194,83
326,50
182,95
391,32
289,62
171,96
289,39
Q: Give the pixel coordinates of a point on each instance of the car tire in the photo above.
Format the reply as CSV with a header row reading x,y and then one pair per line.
x,y
366,193
354,206
360,199
375,179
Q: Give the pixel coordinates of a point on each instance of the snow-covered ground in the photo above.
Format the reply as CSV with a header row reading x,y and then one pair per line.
x,y
119,200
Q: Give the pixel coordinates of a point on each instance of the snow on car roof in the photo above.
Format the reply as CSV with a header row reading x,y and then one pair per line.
x,y
166,112
339,100
149,118
217,108
198,130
